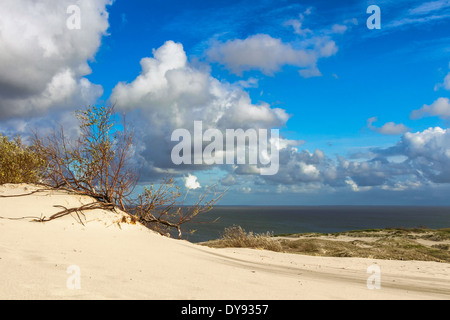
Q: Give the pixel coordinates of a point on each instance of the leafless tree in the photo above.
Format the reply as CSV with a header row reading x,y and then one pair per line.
x,y
161,210
99,163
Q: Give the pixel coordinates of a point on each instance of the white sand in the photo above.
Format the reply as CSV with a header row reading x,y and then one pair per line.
x,y
131,262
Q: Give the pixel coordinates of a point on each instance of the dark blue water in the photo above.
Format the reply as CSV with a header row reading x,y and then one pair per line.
x,y
316,219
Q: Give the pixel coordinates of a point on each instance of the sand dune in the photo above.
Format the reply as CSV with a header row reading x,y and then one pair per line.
x,y
119,260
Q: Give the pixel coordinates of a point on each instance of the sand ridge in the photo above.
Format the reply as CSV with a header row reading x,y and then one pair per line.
x,y
120,260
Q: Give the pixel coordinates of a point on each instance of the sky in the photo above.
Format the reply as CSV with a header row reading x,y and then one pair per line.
x,y
363,113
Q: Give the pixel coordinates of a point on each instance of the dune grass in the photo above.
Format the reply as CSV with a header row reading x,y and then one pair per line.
x,y
420,244
237,237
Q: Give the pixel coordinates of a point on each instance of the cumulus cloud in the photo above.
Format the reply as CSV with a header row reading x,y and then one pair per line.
x,y
267,54
375,172
173,90
171,93
42,61
389,128
428,153
424,158
298,167
440,108
417,160
190,182
43,124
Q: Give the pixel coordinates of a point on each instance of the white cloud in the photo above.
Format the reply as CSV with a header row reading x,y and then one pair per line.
x,y
440,108
389,128
267,54
309,171
42,62
418,160
190,182
171,93
352,184
339,28
430,152
428,143
301,167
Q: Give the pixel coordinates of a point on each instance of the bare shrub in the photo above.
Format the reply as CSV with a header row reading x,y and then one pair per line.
x,y
161,209
99,163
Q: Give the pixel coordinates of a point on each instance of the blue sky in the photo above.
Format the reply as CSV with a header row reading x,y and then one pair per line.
x,y
371,106
380,73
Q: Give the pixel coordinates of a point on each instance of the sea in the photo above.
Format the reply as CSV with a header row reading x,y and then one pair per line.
x,y
322,219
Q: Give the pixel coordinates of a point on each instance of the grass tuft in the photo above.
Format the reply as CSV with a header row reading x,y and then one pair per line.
x,y
237,237
420,244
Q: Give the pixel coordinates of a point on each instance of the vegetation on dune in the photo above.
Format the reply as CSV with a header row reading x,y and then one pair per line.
x,y
19,163
99,162
410,233
419,244
237,237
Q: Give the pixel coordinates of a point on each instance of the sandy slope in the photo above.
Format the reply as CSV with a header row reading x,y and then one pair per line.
x,y
131,262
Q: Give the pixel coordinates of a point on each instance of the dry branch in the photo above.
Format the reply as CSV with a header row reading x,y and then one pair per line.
x,y
99,164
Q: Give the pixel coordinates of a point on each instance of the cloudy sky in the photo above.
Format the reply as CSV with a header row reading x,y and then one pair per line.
x,y
363,113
